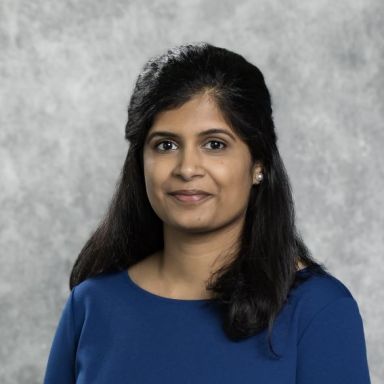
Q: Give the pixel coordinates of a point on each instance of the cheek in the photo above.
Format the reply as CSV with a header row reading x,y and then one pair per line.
x,y
234,182
152,175
232,174
156,174
152,186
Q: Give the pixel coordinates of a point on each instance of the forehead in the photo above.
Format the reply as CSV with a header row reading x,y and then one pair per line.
x,y
198,114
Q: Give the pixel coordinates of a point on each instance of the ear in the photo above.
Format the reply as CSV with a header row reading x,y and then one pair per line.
x,y
257,169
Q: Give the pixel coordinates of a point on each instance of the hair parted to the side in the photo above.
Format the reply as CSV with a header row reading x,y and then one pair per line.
x,y
253,287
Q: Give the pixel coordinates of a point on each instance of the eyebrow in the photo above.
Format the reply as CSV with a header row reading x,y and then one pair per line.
x,y
200,134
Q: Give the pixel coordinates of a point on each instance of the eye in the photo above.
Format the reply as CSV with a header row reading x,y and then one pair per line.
x,y
217,141
156,146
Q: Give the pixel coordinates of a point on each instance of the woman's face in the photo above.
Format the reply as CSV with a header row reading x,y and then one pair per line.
x,y
188,157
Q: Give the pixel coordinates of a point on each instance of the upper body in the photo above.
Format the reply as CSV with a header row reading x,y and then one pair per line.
x,y
113,330
203,181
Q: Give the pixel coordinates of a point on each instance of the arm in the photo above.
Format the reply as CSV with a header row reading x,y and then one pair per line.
x,y
61,361
332,348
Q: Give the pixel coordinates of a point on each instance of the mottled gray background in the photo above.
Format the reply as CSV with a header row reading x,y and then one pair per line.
x,y
67,69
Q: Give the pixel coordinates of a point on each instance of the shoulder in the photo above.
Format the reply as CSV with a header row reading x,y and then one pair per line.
x,y
319,293
330,338
97,288
90,300
321,288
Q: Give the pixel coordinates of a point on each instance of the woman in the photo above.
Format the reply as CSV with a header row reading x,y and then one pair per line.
x,y
197,273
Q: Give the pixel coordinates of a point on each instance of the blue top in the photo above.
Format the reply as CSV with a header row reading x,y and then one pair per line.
x,y
113,331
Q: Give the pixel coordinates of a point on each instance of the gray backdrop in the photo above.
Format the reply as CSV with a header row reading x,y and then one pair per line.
x,y
67,69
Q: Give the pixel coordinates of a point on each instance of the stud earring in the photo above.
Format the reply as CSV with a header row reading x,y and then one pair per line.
x,y
259,177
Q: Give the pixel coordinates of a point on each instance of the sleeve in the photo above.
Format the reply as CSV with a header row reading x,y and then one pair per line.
x,y
332,347
60,367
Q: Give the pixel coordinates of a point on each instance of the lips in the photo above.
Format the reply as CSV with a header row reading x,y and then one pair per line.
x,y
190,196
189,192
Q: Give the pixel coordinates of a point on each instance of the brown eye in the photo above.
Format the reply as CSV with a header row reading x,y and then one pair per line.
x,y
162,142
216,146
169,143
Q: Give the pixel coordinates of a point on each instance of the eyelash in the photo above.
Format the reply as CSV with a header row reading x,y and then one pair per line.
x,y
169,141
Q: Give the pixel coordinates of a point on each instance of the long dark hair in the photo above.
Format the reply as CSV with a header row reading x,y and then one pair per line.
x,y
254,286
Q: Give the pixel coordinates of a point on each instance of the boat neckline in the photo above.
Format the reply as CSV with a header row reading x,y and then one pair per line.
x,y
152,295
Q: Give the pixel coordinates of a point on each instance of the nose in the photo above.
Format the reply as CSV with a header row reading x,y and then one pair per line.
x,y
189,163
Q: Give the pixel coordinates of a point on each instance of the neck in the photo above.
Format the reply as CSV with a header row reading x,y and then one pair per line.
x,y
189,259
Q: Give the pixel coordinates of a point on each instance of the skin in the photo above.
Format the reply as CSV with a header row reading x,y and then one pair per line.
x,y
196,237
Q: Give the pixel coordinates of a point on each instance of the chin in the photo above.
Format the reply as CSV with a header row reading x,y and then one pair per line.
x,y
190,228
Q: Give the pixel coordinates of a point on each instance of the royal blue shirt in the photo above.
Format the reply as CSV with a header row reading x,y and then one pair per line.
x,y
113,331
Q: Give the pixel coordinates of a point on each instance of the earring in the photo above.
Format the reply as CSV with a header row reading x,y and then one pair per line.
x,y
259,177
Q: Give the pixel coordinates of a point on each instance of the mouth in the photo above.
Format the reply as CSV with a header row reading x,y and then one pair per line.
x,y
190,199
